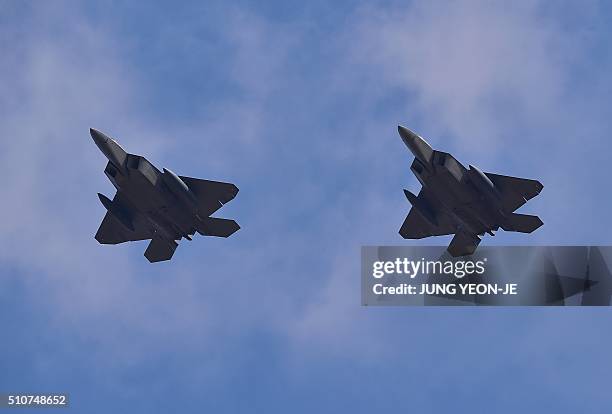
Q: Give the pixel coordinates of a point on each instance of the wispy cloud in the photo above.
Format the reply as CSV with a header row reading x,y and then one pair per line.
x,y
491,83
475,71
304,122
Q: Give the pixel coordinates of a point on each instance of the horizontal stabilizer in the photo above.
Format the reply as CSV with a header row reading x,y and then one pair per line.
x,y
463,244
523,223
211,226
160,249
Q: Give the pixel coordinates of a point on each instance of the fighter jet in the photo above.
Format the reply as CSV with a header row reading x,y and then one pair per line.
x,y
462,201
156,205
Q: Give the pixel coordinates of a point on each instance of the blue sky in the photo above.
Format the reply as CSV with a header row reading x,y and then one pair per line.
x,y
298,104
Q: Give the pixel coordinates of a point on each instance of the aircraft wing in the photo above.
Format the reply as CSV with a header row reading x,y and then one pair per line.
x,y
515,191
112,231
211,195
416,226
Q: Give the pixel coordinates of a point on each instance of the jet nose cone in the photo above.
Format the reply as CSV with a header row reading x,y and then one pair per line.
x,y
406,134
98,137
417,145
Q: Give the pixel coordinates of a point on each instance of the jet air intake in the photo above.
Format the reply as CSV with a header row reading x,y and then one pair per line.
x,y
484,184
179,189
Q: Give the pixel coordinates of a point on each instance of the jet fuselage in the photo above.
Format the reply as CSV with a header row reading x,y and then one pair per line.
x,y
156,205
144,188
462,199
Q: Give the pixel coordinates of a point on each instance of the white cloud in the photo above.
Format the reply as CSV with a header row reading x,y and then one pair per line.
x,y
488,81
281,273
473,70
58,84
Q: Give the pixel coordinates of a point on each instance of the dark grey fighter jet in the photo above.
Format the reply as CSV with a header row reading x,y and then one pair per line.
x,y
150,204
465,202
